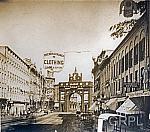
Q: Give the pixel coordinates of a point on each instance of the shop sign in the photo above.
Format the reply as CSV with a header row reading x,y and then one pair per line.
x,y
53,61
131,84
138,93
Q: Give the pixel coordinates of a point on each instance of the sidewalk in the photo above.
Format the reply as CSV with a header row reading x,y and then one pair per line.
x,y
10,121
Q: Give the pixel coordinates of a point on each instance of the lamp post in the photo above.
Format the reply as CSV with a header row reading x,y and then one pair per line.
x,y
99,103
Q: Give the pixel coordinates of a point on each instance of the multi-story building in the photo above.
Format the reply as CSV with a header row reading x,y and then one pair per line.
x,y
49,92
130,61
56,97
101,72
49,89
126,72
36,85
3,88
18,79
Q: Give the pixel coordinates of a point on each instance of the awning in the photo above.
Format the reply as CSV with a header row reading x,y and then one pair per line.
x,y
94,106
111,104
121,99
128,107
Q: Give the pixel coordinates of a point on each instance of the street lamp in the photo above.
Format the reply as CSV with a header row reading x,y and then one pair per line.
x,y
98,107
99,103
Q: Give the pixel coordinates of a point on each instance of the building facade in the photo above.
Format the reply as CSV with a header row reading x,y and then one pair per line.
x,y
36,85
49,92
16,83
56,97
126,72
101,72
3,87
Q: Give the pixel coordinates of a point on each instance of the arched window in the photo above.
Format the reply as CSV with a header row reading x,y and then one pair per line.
x,y
122,62
126,58
142,46
130,55
136,51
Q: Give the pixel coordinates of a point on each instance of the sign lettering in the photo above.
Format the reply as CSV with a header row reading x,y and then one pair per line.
x,y
131,84
54,61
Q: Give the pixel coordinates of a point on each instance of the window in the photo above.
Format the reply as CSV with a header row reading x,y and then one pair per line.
x,y
119,66
122,65
131,77
114,89
142,49
142,77
123,84
119,85
126,78
111,71
130,58
136,75
126,61
114,70
136,54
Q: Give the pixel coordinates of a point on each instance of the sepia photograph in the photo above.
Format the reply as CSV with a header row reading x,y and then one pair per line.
x,y
74,65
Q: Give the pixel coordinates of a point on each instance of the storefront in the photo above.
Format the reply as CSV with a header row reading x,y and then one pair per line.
x,y
133,115
3,106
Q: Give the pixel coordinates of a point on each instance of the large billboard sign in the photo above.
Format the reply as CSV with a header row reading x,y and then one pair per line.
x,y
53,61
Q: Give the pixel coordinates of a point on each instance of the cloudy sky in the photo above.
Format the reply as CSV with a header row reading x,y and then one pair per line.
x,y
33,27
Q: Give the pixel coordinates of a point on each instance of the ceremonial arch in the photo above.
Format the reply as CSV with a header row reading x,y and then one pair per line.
x,y
76,94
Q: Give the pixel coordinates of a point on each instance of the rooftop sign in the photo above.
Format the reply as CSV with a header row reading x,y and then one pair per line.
x,y
54,61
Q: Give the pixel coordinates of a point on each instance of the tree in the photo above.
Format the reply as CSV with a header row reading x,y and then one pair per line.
x,y
122,28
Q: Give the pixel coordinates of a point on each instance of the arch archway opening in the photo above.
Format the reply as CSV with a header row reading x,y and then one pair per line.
x,y
75,102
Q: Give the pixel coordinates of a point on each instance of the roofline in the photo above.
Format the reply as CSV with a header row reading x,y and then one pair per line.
x,y
139,21
16,55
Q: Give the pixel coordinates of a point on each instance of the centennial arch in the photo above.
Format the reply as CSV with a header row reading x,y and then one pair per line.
x,y
75,94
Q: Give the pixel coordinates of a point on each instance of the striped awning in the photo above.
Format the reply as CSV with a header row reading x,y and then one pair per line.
x,y
111,104
128,107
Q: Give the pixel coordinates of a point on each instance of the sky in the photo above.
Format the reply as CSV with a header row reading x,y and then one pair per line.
x,y
33,27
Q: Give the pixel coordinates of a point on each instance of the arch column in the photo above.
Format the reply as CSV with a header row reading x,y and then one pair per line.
x,y
67,102
60,109
82,102
89,98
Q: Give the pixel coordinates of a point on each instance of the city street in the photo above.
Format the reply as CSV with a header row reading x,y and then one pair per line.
x,y
54,122
60,122
75,66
